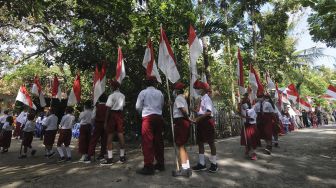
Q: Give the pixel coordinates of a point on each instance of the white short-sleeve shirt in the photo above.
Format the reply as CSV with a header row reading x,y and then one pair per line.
x,y
252,115
7,126
51,122
150,101
67,122
180,102
22,118
267,107
85,117
116,101
206,105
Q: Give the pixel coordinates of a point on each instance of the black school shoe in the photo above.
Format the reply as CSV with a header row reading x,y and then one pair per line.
x,y
122,159
51,155
182,172
4,150
61,159
33,152
100,158
146,171
213,168
199,167
159,167
108,162
22,156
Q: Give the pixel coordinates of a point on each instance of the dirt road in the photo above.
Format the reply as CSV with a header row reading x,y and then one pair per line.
x,y
306,158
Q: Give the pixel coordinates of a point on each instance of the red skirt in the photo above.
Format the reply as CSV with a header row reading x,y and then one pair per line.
x,y
206,130
115,123
291,126
181,131
27,139
49,137
266,131
64,137
5,139
252,136
17,131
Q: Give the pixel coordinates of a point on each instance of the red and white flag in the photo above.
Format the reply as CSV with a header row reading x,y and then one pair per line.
x,y
240,73
97,88
37,90
256,85
24,97
195,50
305,105
167,63
331,91
292,93
149,62
120,73
278,96
75,93
103,77
270,83
56,89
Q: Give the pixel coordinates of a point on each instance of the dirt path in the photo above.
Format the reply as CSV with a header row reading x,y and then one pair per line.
x,y
306,158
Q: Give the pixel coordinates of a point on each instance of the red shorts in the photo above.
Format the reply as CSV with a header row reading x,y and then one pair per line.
x,y
181,131
27,139
5,138
49,137
64,137
115,123
266,131
206,130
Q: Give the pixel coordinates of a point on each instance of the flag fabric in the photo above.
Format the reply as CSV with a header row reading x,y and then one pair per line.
x,y
240,73
270,83
37,90
103,77
305,105
56,89
97,87
256,85
278,96
149,62
24,97
292,93
195,50
120,72
166,62
75,93
331,91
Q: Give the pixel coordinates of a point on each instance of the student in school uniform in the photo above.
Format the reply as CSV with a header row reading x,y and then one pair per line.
x,y
20,120
50,123
28,135
85,121
67,122
114,122
3,118
98,116
181,129
6,134
149,104
205,128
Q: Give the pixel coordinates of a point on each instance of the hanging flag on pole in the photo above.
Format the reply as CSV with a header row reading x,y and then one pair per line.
x,y
305,105
120,73
278,96
331,91
24,97
256,85
103,77
149,62
270,83
97,86
37,90
292,93
56,89
240,73
166,62
75,93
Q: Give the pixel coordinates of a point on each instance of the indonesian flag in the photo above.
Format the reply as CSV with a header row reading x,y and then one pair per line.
x,y
149,62
278,95
240,73
120,73
23,96
270,83
167,63
37,90
195,50
305,105
103,77
75,94
256,85
331,91
97,88
284,97
292,93
56,89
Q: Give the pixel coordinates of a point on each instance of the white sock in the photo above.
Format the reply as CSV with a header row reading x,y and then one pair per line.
x,y
213,159
184,166
122,152
68,151
60,151
188,164
109,154
201,159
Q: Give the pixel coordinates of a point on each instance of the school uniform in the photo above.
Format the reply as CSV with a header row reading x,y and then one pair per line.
x,y
181,124
251,134
66,125
150,102
206,127
3,120
85,118
20,120
267,119
51,129
116,103
99,113
28,133
6,135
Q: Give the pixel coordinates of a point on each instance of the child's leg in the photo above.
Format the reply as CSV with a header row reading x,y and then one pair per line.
x,y
213,152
